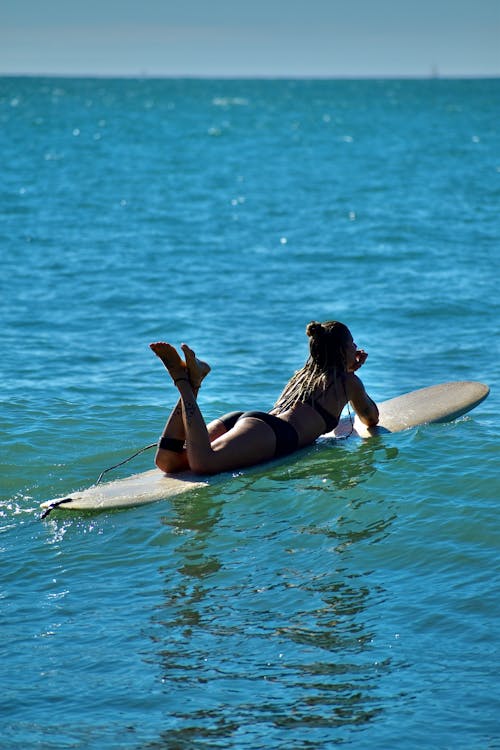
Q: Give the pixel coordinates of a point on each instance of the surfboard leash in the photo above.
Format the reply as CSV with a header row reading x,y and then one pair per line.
x,y
57,503
137,453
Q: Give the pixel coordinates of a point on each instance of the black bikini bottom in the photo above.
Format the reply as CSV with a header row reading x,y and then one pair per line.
x,y
287,440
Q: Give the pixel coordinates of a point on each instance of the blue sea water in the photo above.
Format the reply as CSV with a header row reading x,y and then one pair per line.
x,y
348,598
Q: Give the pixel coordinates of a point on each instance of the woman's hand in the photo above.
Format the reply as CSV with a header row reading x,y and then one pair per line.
x,y
360,359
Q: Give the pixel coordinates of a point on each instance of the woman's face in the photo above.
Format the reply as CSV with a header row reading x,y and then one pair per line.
x,y
350,353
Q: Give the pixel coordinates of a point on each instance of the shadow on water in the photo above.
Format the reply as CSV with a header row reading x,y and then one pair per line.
x,y
345,467
267,625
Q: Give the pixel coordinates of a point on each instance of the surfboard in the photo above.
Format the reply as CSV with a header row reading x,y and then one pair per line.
x,y
436,403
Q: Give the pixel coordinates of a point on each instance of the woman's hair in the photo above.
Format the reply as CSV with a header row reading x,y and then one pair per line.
x,y
327,357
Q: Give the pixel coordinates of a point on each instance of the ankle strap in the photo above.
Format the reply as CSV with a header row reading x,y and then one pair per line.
x,y
171,444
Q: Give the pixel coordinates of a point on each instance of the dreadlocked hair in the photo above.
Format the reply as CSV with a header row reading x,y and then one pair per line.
x,y
327,342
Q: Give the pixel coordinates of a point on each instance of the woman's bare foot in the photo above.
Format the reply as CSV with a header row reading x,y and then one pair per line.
x,y
197,369
170,358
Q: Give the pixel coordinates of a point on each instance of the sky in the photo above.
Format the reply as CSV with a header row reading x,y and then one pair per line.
x,y
232,38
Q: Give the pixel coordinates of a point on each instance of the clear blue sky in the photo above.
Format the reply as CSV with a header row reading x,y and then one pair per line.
x,y
250,37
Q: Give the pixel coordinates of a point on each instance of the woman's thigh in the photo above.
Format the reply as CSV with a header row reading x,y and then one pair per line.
x,y
215,429
249,442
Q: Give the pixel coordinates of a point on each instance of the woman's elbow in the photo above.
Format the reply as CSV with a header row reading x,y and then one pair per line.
x,y
370,417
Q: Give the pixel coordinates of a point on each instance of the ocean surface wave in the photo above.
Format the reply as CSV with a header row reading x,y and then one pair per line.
x,y
348,597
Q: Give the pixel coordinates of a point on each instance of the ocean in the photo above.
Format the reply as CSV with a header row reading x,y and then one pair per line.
x,y
347,598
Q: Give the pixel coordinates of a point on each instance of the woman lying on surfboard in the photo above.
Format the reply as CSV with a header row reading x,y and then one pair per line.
x,y
309,406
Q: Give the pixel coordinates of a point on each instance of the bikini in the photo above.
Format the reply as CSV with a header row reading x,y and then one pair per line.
x,y
287,439
330,420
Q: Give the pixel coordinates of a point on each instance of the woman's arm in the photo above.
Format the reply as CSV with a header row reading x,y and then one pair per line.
x,y
363,405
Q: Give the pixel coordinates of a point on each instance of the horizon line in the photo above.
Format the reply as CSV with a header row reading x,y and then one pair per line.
x,y
433,76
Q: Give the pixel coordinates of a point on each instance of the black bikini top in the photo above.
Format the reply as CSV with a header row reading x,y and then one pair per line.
x,y
330,420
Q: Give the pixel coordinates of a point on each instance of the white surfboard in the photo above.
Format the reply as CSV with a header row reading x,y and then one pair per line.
x,y
437,403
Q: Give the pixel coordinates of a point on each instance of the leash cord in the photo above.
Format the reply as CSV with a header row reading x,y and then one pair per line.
x,y
57,503
137,453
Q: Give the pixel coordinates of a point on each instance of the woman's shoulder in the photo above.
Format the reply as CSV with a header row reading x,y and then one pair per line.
x,y
353,384
343,378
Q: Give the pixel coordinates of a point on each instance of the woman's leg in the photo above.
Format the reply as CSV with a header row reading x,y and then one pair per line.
x,y
249,442
171,455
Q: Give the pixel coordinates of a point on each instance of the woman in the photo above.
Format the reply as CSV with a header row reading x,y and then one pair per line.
x,y
310,405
